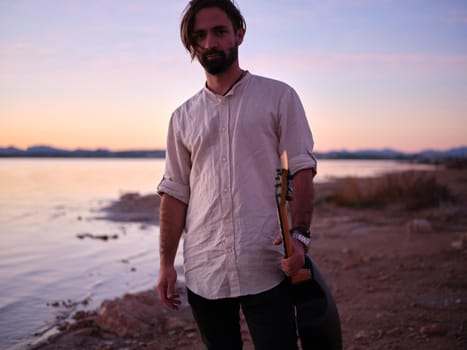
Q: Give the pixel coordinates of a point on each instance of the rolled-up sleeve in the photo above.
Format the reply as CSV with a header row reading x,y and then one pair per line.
x,y
295,134
306,161
175,181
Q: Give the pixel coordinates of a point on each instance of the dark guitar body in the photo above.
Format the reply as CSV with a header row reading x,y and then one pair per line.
x,y
317,316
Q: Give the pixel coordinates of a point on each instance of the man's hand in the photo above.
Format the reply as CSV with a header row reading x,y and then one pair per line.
x,y
292,264
166,288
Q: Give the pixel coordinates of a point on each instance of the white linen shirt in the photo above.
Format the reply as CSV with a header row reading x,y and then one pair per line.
x,y
221,160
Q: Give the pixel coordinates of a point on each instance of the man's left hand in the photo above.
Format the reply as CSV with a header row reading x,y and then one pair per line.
x,y
292,264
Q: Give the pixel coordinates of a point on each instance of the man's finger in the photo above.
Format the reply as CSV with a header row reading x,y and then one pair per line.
x,y
277,240
174,302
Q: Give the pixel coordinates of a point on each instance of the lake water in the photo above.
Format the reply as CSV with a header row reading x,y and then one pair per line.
x,y
47,273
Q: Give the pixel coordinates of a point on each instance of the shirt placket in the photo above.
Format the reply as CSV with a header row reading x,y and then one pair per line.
x,y
226,195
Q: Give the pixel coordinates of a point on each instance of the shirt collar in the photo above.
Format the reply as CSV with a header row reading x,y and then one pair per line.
x,y
237,86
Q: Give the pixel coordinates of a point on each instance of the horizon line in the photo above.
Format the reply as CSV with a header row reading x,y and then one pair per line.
x,y
142,149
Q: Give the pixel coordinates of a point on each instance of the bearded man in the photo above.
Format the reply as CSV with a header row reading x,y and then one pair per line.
x,y
223,149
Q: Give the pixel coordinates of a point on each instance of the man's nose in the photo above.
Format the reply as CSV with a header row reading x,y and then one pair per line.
x,y
210,42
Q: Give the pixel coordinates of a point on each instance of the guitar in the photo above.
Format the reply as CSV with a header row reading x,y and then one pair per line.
x,y
282,196
318,320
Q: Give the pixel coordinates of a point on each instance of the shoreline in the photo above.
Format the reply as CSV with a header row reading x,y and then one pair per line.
x,y
396,275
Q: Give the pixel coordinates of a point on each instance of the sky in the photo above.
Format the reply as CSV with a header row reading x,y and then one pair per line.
x,y
371,74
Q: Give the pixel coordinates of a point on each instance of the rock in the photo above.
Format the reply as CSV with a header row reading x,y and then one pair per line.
x,y
457,245
394,331
79,315
81,323
103,237
131,316
361,335
461,243
419,226
84,332
133,207
433,330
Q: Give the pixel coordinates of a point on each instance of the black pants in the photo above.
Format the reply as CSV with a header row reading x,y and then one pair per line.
x,y
270,317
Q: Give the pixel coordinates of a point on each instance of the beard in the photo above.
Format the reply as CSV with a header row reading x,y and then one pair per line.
x,y
220,64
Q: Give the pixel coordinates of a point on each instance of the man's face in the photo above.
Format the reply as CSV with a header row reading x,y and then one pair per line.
x,y
216,40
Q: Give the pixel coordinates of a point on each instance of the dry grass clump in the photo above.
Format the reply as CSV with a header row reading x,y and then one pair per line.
x,y
410,190
456,163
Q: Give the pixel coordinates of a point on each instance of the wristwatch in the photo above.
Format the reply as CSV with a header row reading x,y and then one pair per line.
x,y
302,239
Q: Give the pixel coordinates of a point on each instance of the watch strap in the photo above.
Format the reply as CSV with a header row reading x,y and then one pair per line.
x,y
304,231
302,239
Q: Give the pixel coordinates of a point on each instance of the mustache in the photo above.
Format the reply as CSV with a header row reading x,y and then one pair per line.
x,y
213,52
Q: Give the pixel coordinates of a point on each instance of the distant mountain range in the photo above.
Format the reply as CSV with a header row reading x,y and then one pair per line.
x,y
387,153
47,151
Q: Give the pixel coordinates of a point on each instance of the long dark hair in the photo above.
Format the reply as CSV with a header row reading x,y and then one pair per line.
x,y
194,6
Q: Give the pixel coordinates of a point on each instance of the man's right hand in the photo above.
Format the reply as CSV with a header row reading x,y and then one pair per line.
x,y
166,288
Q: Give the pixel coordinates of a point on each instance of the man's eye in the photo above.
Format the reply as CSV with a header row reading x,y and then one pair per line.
x,y
220,32
199,36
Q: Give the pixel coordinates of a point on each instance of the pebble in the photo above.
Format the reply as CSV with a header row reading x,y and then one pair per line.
x,y
361,335
419,226
433,330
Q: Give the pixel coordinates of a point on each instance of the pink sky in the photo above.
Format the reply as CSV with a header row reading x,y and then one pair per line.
x,y
371,74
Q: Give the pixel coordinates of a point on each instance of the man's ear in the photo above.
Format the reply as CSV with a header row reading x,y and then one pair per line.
x,y
239,35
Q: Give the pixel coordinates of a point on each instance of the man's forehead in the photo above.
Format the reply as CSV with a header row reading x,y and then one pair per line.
x,y
211,17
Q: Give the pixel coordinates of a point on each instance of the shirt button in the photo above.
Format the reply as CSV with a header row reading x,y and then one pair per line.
x,y
224,159
225,189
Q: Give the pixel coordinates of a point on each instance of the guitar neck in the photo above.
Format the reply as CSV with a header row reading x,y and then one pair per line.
x,y
303,274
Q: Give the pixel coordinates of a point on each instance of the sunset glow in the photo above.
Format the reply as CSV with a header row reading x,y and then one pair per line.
x,y
108,74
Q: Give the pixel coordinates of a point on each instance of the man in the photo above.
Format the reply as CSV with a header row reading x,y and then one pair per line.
x,y
223,149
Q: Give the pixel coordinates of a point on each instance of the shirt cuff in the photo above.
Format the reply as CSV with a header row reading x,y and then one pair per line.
x,y
174,189
301,162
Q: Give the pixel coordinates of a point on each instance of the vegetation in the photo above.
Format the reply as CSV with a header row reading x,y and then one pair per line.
x,y
456,163
408,190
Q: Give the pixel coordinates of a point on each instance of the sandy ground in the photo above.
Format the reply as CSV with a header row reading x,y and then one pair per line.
x,y
398,277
